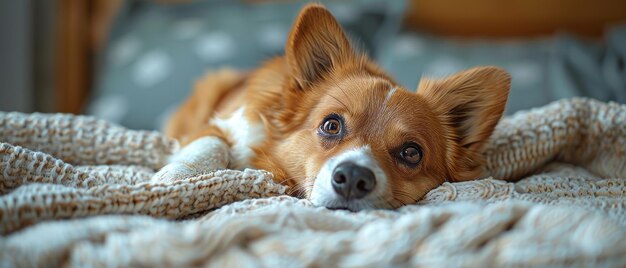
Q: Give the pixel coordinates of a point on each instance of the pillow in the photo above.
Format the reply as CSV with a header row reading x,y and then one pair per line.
x,y
542,69
156,52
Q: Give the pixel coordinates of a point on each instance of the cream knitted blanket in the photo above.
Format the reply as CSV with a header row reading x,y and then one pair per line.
x,y
76,191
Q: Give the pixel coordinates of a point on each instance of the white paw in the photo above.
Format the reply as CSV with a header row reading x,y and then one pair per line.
x,y
199,157
173,172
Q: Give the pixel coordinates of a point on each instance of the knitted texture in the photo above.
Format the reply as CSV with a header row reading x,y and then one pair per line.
x,y
564,204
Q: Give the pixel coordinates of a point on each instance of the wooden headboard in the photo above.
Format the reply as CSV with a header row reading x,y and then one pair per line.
x,y
82,26
514,18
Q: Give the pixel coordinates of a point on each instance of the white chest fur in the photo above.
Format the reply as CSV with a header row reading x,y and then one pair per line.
x,y
244,133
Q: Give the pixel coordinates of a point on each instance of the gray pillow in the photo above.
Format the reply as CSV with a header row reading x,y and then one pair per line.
x,y
542,70
156,52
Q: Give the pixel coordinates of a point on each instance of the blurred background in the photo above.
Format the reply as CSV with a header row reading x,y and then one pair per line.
x,y
133,61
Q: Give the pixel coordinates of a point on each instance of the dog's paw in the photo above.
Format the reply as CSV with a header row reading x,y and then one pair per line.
x,y
202,156
173,172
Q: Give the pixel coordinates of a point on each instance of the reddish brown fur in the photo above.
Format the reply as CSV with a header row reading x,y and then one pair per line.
x,y
320,74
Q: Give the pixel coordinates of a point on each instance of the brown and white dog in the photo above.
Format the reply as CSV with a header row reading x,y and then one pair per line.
x,y
328,122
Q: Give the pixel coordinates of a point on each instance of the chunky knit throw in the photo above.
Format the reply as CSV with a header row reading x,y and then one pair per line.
x,y
76,191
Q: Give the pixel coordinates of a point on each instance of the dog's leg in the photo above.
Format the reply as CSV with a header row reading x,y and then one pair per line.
x,y
205,147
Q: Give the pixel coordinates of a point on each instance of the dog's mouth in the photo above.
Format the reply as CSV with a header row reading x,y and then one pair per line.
x,y
339,203
340,208
343,207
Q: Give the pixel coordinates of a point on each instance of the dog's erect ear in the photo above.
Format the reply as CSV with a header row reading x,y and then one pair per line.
x,y
469,105
316,45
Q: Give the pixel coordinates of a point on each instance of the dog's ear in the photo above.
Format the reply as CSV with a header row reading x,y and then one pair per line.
x,y
469,104
316,45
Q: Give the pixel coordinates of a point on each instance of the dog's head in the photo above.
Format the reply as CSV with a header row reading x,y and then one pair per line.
x,y
355,139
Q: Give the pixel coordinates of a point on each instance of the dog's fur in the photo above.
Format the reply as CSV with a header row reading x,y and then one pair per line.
x,y
271,118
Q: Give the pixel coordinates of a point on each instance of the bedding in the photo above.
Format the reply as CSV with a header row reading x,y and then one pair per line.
x,y
78,191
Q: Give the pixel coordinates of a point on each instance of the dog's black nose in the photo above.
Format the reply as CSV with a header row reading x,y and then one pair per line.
x,y
353,181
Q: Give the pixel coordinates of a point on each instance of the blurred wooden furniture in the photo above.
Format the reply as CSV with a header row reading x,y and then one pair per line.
x,y
514,18
81,30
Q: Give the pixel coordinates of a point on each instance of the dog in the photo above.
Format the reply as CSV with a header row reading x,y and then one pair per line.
x,y
330,124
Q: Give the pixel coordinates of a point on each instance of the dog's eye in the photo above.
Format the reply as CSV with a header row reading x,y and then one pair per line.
x,y
411,153
331,126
